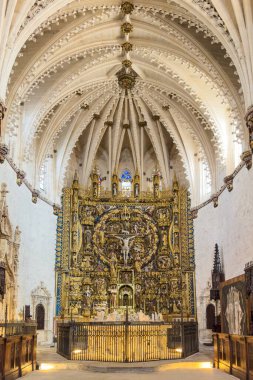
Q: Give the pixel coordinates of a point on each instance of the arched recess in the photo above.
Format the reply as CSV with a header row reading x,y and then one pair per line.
x,y
210,316
40,316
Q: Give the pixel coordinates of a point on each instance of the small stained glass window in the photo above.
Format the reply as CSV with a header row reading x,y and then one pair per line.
x,y
126,183
126,176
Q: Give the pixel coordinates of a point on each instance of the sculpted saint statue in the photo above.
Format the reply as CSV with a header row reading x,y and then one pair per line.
x,y
113,265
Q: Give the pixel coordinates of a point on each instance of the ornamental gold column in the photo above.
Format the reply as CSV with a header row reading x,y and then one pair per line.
x,y
74,229
176,239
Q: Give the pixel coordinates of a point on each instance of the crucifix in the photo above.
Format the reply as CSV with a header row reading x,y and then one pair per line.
x,y
125,249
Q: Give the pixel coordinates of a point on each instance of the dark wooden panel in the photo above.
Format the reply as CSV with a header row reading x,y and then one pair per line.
x,y
17,356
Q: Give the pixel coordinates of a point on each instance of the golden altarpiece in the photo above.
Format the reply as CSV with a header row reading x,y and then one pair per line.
x,y
115,253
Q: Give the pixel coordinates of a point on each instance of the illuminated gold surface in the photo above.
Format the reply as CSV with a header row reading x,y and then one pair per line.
x,y
137,250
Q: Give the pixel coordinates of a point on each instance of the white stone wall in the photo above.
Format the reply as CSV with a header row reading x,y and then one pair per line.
x,y
37,248
230,225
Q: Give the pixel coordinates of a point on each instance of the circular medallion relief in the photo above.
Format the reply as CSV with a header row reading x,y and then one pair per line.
x,y
126,237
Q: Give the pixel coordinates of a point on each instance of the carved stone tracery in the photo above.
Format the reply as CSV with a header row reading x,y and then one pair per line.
x,y
9,260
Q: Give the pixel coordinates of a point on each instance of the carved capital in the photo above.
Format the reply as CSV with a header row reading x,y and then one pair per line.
x,y
247,158
249,124
4,150
229,182
20,177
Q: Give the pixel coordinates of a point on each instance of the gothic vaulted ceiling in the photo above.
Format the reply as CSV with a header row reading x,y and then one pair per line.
x,y
66,110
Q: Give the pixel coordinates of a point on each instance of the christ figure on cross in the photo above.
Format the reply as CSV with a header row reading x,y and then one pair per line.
x,y
125,249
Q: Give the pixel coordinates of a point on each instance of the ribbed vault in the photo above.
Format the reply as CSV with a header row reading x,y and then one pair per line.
x,y
66,111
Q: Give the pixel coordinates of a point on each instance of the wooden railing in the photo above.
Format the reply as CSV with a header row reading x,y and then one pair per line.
x,y
234,354
17,328
17,356
126,341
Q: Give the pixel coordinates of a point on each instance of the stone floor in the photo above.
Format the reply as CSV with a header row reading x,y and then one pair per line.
x,y
193,368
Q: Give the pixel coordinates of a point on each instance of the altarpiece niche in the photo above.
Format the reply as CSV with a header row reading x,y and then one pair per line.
x,y
114,253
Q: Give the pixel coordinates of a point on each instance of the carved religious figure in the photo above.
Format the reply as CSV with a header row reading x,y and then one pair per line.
x,y
125,249
113,265
137,262
87,238
113,298
136,190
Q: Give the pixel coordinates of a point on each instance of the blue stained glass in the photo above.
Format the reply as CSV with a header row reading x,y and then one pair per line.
x,y
126,176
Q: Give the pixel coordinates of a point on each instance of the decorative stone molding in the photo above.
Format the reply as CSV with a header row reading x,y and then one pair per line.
x,y
4,150
247,158
215,200
127,46
126,28
2,112
35,195
229,182
56,209
20,177
127,7
194,213
249,124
